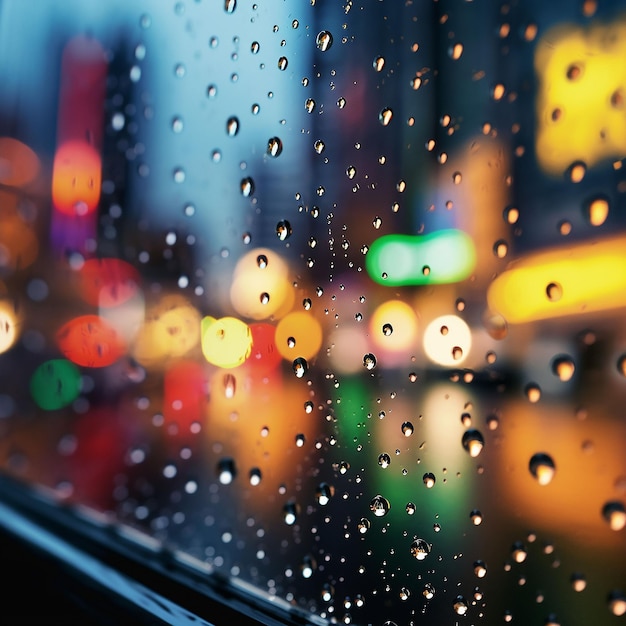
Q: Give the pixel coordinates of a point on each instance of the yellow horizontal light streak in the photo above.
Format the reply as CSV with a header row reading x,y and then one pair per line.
x,y
580,279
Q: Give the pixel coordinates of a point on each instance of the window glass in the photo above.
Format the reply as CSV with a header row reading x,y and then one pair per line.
x,y
327,296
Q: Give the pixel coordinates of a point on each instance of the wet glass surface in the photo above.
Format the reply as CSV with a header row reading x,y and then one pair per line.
x,y
328,296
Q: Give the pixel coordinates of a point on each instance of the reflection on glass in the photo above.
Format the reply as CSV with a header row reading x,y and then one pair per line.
x,y
329,297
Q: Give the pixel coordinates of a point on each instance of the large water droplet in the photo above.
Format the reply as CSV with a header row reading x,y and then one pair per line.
x,y
309,105
460,605
387,329
282,63
429,591
519,552
384,117
363,525
429,480
232,126
319,146
230,6
542,467
615,514
283,230
563,367
480,569
274,147
379,506
261,261
476,516
596,210
473,442
226,471
324,40
369,361
420,549
407,429
384,460
290,513
246,186
379,63
617,602
300,367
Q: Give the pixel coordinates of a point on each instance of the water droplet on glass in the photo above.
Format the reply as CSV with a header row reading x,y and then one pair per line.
x,y
226,471
179,175
429,591
300,367
476,516
456,51
617,602
379,506
283,230
351,171
324,40
379,63
576,171
542,467
290,513
429,480
563,367
420,549
324,493
533,392
363,525
480,569
264,298
230,6
261,261
341,102
384,460
255,47
407,429
387,329
410,508
473,442
328,592
274,147
500,248
306,303
232,126
404,594
230,385
247,187
282,63
519,552
319,146
309,105
597,210
579,582
177,124
384,117
255,476
295,24
369,361
614,513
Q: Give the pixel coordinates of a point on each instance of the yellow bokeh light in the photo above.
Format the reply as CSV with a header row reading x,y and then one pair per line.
x,y
261,287
298,334
568,281
226,342
8,326
347,347
581,104
393,326
447,340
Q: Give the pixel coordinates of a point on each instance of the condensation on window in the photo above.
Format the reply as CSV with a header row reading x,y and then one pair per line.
x,y
327,296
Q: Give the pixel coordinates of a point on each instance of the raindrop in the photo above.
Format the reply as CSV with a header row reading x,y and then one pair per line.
x,y
480,569
300,367
211,91
579,582
554,291
617,602
615,514
542,467
295,24
364,525
306,303
460,605
351,171
255,476
230,385
533,392
282,63
384,460
621,365
300,440
226,471
597,210
500,248
290,513
563,367
177,124
576,171
410,508
247,187
519,552
255,47
308,567
379,506
232,126
308,407
324,40
261,261
407,429
230,6
387,329
420,549
264,298
429,480
369,361
283,230
324,493
379,63
473,442
274,147
291,342
328,592
309,105
319,146
476,516
384,117
341,102
428,591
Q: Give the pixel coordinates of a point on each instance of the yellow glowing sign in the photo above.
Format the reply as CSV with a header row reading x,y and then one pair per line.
x,y
581,104
580,279
226,342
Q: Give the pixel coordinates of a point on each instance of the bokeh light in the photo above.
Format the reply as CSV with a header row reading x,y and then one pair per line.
x,y
298,334
55,384
226,342
447,340
393,326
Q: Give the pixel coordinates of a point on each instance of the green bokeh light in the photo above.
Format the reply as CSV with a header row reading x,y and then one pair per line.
x,y
55,384
446,256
